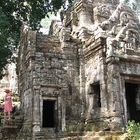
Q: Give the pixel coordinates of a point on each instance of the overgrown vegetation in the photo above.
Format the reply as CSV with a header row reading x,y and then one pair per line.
x,y
133,130
13,13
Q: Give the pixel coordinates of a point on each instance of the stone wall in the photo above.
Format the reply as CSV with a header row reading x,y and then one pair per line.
x,y
82,67
48,69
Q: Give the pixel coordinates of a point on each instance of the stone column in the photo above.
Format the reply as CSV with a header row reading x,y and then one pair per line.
x,y
103,86
82,80
123,101
63,114
113,91
36,109
59,106
91,113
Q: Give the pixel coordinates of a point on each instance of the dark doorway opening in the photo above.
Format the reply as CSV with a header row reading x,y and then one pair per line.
x,y
48,113
132,94
95,90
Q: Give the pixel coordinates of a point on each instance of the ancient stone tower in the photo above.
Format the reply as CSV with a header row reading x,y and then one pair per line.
x,y
85,74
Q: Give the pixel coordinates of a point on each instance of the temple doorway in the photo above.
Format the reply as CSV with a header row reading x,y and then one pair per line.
x,y
132,93
48,113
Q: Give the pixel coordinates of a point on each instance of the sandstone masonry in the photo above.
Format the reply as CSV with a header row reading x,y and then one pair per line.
x,y
84,75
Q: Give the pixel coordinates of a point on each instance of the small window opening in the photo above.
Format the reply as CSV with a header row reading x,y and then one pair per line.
x,y
95,89
70,88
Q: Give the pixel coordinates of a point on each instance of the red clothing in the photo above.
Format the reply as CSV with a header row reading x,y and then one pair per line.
x,y
8,103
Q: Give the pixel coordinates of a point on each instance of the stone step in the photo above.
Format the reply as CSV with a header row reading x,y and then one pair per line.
x,y
99,136
46,134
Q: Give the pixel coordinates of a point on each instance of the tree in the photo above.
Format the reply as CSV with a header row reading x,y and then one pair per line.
x,y
13,13
134,4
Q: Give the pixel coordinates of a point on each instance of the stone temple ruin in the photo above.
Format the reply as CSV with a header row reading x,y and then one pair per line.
x,y
85,74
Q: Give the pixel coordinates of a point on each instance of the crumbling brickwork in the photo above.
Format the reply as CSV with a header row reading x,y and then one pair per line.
x,y
81,71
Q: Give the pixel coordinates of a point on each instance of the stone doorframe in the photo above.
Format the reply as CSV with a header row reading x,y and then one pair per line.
x,y
124,79
59,108
41,106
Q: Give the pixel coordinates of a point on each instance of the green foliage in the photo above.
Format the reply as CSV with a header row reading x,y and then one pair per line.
x,y
5,41
31,12
133,130
132,4
13,13
126,1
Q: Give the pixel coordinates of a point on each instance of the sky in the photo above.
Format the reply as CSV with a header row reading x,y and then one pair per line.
x,y
47,21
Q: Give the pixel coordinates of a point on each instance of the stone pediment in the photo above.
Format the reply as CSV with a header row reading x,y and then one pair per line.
x,y
121,17
119,25
87,16
122,30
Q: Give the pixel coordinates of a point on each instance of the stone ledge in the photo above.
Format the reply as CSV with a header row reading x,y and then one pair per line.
x,y
100,135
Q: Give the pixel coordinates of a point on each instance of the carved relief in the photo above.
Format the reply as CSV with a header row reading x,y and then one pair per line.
x,y
131,39
123,26
74,17
111,44
101,13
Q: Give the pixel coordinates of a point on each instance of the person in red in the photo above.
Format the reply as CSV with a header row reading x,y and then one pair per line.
x,y
7,105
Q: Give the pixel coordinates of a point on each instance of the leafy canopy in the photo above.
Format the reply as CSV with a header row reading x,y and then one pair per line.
x,y
13,13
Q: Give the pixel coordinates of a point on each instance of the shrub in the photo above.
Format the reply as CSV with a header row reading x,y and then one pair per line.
x,y
133,130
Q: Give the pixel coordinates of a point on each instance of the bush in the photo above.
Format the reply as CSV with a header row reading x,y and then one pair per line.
x,y
133,130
